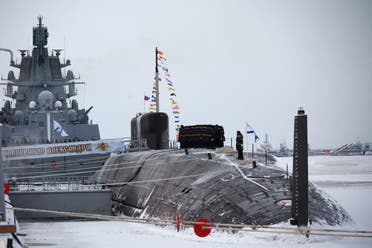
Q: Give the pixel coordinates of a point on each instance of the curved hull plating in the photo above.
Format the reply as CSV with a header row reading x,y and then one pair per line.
x,y
160,183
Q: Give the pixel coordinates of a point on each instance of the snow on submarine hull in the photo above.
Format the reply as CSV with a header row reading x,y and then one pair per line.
x,y
157,184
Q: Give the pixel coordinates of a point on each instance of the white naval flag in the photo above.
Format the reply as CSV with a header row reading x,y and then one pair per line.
x,y
58,128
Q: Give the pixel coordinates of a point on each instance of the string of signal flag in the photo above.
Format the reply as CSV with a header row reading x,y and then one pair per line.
x,y
171,90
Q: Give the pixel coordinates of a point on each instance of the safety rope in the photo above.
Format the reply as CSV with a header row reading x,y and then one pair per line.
x,y
46,173
47,164
217,226
79,171
92,161
120,183
160,179
85,161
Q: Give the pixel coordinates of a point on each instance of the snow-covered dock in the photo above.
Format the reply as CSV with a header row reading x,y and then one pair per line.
x,y
355,197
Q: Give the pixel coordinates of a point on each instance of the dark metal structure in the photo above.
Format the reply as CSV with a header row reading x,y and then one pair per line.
x,y
43,95
201,136
157,184
150,131
300,178
76,201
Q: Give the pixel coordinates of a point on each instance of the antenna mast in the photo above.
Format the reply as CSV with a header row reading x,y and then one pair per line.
x,y
157,79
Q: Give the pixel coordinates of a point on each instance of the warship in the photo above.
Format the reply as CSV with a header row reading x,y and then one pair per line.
x,y
44,132
352,149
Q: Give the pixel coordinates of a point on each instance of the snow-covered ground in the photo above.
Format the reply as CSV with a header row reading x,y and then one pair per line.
x,y
346,179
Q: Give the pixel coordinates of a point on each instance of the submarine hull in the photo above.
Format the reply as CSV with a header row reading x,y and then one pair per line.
x,y
158,184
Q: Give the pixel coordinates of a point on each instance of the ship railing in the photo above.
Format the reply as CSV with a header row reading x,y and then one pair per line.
x,y
55,184
132,145
228,142
174,145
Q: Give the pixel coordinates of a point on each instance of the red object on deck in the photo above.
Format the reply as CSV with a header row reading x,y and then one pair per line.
x,y
6,188
202,227
178,222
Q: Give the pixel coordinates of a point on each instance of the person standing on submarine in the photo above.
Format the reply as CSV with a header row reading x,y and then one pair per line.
x,y
239,145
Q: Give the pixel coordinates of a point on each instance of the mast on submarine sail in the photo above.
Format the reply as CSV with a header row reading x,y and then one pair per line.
x,y
157,80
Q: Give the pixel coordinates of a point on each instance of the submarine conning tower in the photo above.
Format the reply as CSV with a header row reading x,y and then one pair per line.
x,y
42,96
150,131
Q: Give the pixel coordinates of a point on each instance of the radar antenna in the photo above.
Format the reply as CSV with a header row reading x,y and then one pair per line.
x,y
40,18
57,52
23,52
40,34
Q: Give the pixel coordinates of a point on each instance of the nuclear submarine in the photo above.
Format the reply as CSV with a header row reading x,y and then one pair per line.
x,y
202,179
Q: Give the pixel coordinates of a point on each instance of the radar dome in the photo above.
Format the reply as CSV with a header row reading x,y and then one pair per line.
x,y
58,104
71,115
46,99
32,105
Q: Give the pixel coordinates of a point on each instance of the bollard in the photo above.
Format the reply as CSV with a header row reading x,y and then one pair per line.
x,y
254,164
9,243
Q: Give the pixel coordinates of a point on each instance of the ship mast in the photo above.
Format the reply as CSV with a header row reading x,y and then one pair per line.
x,y
157,80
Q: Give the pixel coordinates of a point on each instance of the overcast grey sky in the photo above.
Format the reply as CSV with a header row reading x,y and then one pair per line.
x,y
232,61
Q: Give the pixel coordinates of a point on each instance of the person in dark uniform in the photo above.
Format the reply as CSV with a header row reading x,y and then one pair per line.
x,y
239,145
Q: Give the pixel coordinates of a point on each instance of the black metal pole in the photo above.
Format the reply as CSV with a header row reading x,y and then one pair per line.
x,y
157,79
266,156
252,150
300,180
156,60
2,201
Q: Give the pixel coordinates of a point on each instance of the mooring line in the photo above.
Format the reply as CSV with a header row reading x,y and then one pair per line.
x,y
217,226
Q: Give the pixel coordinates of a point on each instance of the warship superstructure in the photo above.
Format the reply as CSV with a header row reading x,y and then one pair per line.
x,y
352,149
43,128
